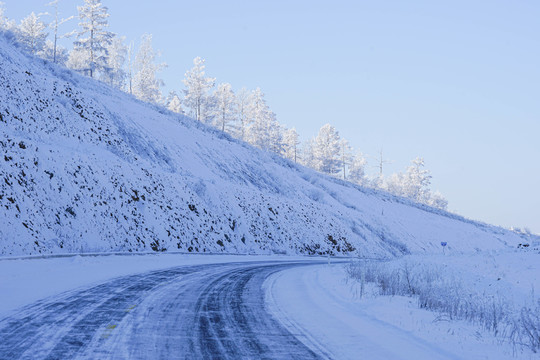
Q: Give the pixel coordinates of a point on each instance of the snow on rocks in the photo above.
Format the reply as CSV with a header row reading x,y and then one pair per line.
x,y
86,168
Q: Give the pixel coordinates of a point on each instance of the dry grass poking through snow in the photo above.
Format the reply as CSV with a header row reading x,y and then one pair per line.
x,y
438,291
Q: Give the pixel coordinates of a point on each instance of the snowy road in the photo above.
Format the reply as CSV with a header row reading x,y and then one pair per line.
x,y
190,312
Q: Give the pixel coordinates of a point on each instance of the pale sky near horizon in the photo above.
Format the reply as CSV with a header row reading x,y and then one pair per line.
x,y
456,82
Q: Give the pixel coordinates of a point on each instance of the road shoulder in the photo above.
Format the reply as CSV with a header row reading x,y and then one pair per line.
x,y
318,303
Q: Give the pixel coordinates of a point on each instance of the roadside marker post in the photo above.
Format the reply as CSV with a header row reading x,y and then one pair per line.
x,y
443,244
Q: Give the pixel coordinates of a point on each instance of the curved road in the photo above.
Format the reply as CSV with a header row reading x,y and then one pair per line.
x,y
192,312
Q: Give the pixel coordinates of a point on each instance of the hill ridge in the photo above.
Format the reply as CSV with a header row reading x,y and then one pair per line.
x,y
88,168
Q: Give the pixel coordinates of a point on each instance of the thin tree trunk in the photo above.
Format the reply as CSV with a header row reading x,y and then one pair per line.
x,y
92,53
223,121
55,31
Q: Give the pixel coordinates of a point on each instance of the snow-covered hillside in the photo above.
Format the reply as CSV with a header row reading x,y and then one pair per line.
x,y
88,168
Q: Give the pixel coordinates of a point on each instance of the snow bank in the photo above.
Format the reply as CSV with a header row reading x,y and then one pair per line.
x,y
323,307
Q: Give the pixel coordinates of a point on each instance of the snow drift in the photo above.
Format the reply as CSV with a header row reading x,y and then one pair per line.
x,y
87,168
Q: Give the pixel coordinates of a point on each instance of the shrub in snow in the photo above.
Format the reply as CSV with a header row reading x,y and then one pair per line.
x,y
446,295
526,327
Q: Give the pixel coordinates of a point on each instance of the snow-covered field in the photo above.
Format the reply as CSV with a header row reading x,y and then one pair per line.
x,y
512,274
325,305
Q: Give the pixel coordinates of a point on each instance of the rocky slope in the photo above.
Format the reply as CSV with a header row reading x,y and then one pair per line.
x,y
86,168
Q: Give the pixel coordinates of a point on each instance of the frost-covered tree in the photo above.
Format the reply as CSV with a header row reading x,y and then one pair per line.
x,y
256,132
93,39
275,130
346,156
290,144
395,184
114,73
417,181
32,33
130,71
198,86
437,200
5,23
243,106
53,47
264,131
378,182
357,169
78,60
174,103
225,108
3,19
308,154
146,85
58,54
413,184
327,150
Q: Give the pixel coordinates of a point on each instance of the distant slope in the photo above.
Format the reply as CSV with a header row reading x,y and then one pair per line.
x,y
88,168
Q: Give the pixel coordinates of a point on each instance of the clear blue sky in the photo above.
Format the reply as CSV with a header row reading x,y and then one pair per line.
x,y
457,82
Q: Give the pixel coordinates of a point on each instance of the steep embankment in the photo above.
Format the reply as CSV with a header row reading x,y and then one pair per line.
x,y
84,167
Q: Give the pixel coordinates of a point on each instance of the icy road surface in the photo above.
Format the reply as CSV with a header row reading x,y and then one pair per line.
x,y
214,311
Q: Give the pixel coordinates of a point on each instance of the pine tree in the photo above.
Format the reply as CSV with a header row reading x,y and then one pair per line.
x,y
198,86
327,150
290,144
357,173
225,107
146,86
32,33
93,39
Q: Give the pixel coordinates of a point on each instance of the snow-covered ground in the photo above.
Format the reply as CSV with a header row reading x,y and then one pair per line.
x,y
324,305
319,302
87,168
512,274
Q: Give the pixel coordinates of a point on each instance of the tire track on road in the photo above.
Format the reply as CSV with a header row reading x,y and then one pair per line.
x,y
212,311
